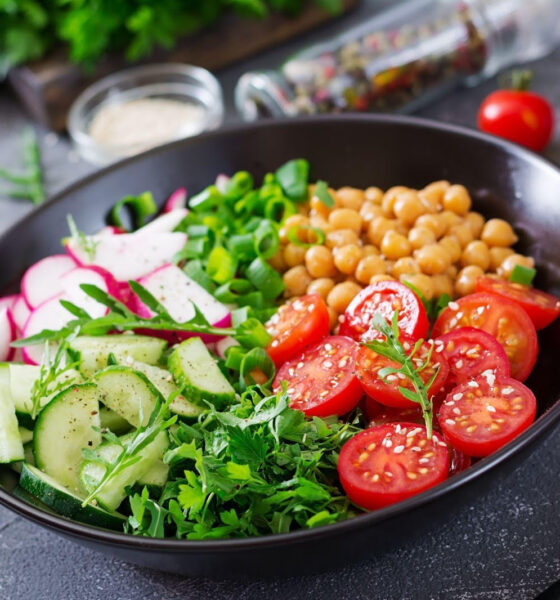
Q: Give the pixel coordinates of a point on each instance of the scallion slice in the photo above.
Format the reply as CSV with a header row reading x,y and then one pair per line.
x,y
141,207
222,265
256,358
522,275
266,239
265,278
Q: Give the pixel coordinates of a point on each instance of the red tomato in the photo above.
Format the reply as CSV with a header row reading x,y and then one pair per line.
x,y
321,381
543,308
369,363
522,117
295,326
458,461
501,318
384,297
482,415
391,462
470,352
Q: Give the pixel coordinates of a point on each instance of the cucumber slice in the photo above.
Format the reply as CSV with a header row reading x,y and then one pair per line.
x,y
114,492
163,381
124,390
64,427
156,475
65,503
11,446
94,350
28,457
198,375
112,421
26,435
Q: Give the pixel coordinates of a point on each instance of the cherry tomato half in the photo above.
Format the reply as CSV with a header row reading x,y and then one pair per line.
x,y
368,364
321,381
389,463
522,117
385,298
295,326
541,307
501,318
483,415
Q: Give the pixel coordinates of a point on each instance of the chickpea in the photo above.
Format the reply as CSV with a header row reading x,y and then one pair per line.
x,y
457,199
374,195
506,268
346,218
389,264
378,228
395,245
295,221
389,199
346,258
450,219
320,223
433,222
294,255
432,194
432,259
369,250
452,271
443,284
423,283
319,208
421,236
341,237
321,286
368,267
498,255
277,261
351,197
405,266
408,207
342,294
462,232
378,278
466,280
452,247
497,232
296,281
476,253
368,212
319,262
476,223
333,318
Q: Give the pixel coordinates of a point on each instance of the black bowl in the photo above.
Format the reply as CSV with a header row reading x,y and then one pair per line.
x,y
504,180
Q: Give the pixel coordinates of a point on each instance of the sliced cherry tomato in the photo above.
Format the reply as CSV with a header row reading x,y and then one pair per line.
x,y
470,352
501,318
384,297
295,326
458,461
482,415
541,307
321,381
368,364
391,462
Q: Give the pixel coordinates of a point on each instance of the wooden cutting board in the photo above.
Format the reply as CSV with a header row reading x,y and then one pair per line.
x,y
48,87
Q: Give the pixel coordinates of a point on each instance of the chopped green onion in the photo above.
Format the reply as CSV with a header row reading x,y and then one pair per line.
x,y
522,275
233,290
279,208
196,272
222,265
240,315
293,236
234,357
293,177
322,192
206,200
140,207
256,358
265,278
252,333
267,241
242,246
248,204
195,248
240,184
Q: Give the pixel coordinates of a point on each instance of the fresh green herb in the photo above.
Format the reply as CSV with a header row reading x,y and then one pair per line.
x,y
29,184
322,192
141,207
87,243
522,275
392,349
293,178
148,517
434,306
293,235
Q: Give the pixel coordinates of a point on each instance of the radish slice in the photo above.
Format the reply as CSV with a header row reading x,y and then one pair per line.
x,y
8,301
166,222
223,344
129,256
40,281
178,199
72,292
222,182
20,312
110,230
177,293
7,334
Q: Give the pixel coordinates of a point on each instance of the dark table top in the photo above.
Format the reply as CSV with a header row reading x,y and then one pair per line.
x,y
505,545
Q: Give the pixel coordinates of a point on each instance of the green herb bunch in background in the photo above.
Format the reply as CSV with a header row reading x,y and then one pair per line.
x,y
90,28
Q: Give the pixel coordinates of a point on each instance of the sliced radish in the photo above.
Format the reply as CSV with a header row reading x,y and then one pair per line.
x,y
166,222
223,344
110,230
8,301
178,199
72,292
20,312
178,293
40,281
129,256
7,334
222,182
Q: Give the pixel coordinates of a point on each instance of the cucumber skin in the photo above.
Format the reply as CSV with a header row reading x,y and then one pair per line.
x,y
66,504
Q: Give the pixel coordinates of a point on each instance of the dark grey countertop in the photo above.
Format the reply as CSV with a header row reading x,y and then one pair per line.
x,y
505,545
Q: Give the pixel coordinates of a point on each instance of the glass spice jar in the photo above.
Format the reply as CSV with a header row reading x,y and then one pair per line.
x,y
403,57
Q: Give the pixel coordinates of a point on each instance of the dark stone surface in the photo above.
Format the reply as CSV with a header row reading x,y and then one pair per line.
x,y
504,546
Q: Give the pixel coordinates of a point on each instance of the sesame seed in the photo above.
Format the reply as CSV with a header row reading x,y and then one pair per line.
x,y
459,364
442,444
388,474
472,384
398,449
328,347
453,306
507,390
449,421
291,371
406,346
391,377
342,363
423,460
413,432
480,310
327,364
490,408
299,365
411,475
398,428
457,396
375,477
416,449
456,411
423,470
274,343
459,314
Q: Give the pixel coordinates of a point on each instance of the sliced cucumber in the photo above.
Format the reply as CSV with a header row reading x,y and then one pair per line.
x,y
114,492
26,435
112,421
64,427
124,390
11,446
156,475
50,492
28,457
94,350
163,381
198,375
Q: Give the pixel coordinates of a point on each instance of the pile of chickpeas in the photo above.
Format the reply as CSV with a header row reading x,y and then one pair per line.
x,y
429,238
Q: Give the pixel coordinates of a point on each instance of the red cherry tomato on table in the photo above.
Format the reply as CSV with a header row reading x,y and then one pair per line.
x,y
295,326
321,381
502,319
385,298
368,364
520,116
391,462
541,307
483,415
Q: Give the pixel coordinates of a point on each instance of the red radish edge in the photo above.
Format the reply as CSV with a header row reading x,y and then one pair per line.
x,y
7,334
39,281
178,199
